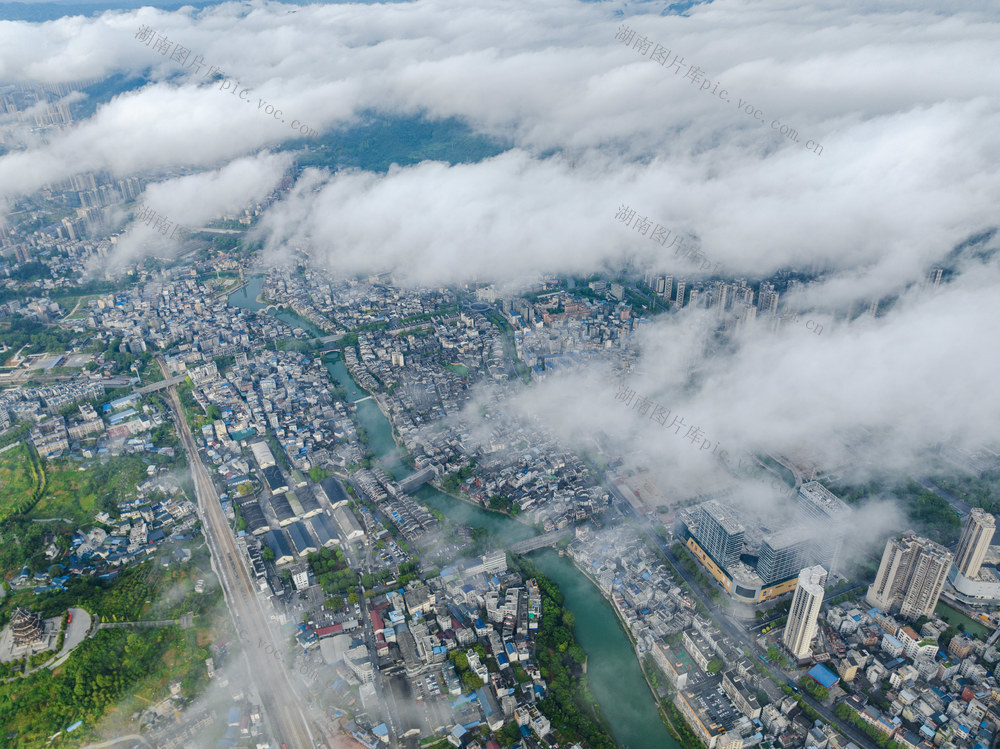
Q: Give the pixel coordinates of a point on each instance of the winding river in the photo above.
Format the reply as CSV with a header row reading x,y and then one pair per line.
x,y
614,673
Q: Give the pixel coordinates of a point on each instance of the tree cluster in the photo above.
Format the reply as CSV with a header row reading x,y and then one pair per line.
x,y
569,704
332,572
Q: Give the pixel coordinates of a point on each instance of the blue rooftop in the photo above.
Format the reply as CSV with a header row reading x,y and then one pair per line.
x,y
823,675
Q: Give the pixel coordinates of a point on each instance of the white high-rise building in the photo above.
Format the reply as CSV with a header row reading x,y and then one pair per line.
x,y
977,532
910,577
804,612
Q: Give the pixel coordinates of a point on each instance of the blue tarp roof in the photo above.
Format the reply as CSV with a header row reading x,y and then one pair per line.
x,y
823,675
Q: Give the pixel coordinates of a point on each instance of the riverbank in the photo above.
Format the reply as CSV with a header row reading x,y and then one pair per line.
x,y
568,694
656,697
607,678
405,453
613,674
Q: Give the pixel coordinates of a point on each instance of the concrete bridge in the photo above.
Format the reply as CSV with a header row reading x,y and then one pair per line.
x,y
418,479
161,385
546,539
185,622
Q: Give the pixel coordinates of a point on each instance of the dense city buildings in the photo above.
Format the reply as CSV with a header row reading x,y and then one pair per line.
x,y
387,600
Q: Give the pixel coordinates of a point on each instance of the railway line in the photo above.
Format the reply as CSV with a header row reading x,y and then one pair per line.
x,y
270,677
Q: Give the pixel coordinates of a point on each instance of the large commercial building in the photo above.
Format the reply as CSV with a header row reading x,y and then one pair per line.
x,y
977,532
262,454
910,577
973,582
804,612
783,554
816,501
278,543
721,533
749,558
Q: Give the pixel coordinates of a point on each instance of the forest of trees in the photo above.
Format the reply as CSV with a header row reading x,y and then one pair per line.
x,y
103,670
37,338
930,514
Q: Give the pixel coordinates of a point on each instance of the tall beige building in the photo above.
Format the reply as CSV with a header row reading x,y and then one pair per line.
x,y
977,532
910,577
804,612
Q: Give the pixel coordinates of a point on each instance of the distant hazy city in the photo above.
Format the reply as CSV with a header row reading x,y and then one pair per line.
x,y
379,432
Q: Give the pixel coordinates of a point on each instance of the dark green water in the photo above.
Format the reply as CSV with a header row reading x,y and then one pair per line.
x,y
614,673
247,299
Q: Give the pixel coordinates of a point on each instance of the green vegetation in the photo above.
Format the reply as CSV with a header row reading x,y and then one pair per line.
x,y
385,140
808,711
22,479
78,494
844,712
708,586
814,688
960,622
317,474
787,476
99,674
62,489
470,681
500,503
509,735
569,702
332,572
979,491
930,515
134,595
679,727
192,411
97,93
451,481
35,337
776,656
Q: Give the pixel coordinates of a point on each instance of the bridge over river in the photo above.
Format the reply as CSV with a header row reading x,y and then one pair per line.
x,y
546,539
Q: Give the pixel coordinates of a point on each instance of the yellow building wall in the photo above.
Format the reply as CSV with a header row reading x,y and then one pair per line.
x,y
709,565
780,589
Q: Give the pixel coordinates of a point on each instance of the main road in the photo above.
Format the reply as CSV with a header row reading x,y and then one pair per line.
x,y
735,634
269,676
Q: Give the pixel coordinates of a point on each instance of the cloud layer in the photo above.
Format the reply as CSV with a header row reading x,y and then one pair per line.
x,y
901,99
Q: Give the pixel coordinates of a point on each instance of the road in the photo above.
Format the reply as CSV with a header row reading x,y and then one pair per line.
x,y
270,677
133,737
738,634
735,633
959,505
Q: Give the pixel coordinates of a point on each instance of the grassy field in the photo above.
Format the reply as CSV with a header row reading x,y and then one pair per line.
x,y
69,303
954,617
74,493
20,479
15,475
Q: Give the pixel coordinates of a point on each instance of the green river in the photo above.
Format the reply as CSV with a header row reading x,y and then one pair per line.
x,y
614,673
